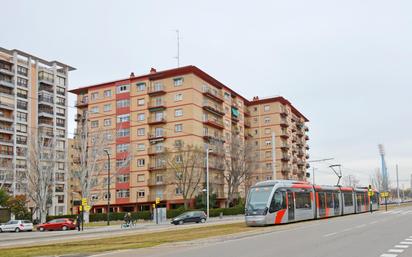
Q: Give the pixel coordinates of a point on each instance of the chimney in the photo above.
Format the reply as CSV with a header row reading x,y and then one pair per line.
x,y
132,75
152,70
255,98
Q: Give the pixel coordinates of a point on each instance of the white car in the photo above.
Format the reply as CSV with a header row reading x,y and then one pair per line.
x,y
17,226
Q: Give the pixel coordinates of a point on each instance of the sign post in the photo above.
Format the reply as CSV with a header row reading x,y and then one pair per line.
x,y
370,194
385,195
157,214
83,206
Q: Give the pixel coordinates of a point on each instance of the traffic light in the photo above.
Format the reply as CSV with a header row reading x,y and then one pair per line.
x,y
154,206
370,187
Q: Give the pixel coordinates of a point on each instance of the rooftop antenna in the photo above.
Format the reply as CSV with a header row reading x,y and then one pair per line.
x,y
337,172
178,48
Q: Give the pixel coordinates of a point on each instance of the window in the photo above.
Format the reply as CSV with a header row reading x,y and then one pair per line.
x,y
107,122
140,194
179,158
21,116
278,201
95,123
22,93
267,120
178,97
122,148
178,143
123,118
94,109
329,200
266,108
60,91
140,102
268,166
140,117
178,127
140,178
348,199
140,162
123,132
60,111
61,81
21,128
121,163
94,197
140,147
268,142
108,93
108,136
140,131
178,112
22,82
303,200
267,131
122,89
268,154
94,95
60,166
22,70
60,122
122,193
177,82
179,191
226,95
141,86
123,103
107,107
22,104
122,178
60,101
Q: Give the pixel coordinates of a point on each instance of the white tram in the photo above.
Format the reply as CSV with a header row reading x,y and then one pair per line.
x,y
284,201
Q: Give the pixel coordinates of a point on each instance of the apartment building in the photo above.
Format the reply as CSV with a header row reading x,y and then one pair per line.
x,y
33,95
141,116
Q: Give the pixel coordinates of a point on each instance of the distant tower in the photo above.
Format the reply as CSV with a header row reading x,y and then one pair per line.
x,y
384,168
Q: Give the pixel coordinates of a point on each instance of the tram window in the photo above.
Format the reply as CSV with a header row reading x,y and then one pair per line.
x,y
336,200
303,200
348,199
321,196
278,202
329,202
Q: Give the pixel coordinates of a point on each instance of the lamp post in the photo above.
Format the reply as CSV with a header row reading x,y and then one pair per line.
x,y
108,186
208,150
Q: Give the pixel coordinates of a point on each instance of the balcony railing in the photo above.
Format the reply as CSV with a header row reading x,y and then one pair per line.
x,y
156,89
217,123
7,129
157,135
213,93
155,150
46,99
156,104
8,153
6,140
154,165
156,120
213,137
7,105
284,122
7,71
46,88
212,107
7,83
285,157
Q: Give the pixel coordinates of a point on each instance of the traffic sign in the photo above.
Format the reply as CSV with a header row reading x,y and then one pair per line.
x,y
157,200
370,193
87,208
384,194
84,201
81,208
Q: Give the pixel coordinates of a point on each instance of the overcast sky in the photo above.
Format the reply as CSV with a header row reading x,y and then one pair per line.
x,y
345,64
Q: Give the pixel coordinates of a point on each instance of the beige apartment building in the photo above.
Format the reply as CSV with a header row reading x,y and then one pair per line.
x,y
141,116
33,95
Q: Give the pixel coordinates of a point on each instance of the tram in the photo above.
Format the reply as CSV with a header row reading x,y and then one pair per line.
x,y
285,201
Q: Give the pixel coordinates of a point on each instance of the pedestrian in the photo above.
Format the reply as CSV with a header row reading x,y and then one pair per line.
x,y
78,222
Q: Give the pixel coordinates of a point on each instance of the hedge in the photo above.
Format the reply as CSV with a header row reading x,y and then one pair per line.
x,y
146,215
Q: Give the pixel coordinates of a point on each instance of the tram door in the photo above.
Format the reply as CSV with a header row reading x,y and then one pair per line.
x,y
291,207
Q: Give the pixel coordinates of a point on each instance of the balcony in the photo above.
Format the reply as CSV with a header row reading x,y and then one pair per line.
x,y
46,112
285,146
284,123
307,165
46,80
157,89
8,141
7,106
157,136
21,142
7,71
6,154
6,129
307,156
300,153
153,150
285,157
213,108
299,143
285,169
301,163
216,123
6,83
156,120
82,102
247,123
46,88
307,147
283,112
156,105
284,134
306,137
306,128
6,118
246,111
46,122
46,100
213,138
215,94
157,165
153,181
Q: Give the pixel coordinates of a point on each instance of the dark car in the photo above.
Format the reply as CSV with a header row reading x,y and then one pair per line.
x,y
57,224
191,216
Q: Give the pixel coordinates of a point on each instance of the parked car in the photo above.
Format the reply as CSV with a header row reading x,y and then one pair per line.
x,y
17,226
57,224
191,216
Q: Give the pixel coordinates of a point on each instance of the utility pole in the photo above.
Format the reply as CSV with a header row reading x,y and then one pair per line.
x,y
273,156
313,168
397,185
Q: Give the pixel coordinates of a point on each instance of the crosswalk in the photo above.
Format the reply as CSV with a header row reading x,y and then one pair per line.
x,y
396,212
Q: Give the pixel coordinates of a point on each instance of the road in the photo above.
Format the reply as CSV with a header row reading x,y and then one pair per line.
x,y
380,234
12,239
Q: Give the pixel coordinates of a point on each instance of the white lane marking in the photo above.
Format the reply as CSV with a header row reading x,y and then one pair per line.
x,y
408,239
107,253
373,222
389,255
395,250
401,246
361,226
331,234
406,243
348,229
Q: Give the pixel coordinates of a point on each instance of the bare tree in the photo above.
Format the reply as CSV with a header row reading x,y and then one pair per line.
x,y
240,163
40,176
350,181
186,170
376,180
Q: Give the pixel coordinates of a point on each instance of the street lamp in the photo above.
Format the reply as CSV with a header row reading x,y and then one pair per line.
x,y
108,186
208,150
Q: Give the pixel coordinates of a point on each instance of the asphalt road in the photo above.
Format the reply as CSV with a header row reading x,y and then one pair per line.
x,y
12,239
381,234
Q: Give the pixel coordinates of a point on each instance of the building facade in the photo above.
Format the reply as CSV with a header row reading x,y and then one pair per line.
x,y
33,95
141,116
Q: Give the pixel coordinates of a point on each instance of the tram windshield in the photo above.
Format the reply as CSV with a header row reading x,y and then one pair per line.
x,y
258,198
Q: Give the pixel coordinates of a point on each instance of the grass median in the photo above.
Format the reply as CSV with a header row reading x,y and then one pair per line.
x,y
131,241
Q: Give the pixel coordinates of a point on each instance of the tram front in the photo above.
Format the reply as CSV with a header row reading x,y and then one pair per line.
x,y
257,205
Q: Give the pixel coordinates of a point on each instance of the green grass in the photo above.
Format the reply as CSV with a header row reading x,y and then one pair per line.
x,y
131,241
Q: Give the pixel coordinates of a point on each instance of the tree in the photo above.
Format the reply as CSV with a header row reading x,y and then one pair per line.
x,y
186,170
4,197
18,206
42,161
376,180
350,181
239,163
